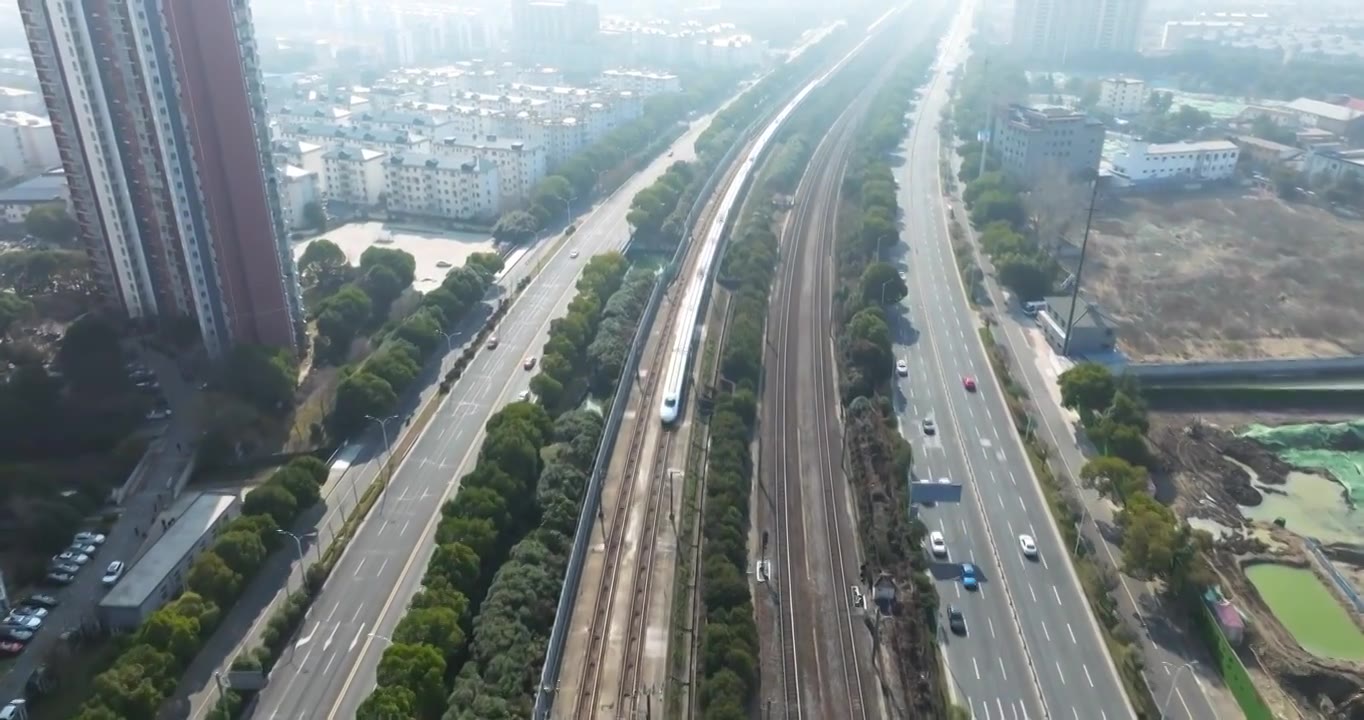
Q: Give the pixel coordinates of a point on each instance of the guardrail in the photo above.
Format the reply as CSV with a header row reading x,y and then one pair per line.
x,y
1340,580
549,674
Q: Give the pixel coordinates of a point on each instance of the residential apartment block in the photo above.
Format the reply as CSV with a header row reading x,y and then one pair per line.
x,y
353,175
641,83
299,189
427,186
519,165
1122,96
1057,29
158,112
27,145
1032,142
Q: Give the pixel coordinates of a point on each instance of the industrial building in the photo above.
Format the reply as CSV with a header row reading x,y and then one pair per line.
x,y
1090,333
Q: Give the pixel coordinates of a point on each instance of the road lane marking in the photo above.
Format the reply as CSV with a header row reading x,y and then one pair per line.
x,y
382,565
356,639
1057,593
975,667
1046,632
331,636
991,623
1058,672
1072,636
360,565
328,666
1003,670
1000,704
358,608
1012,479
1087,677
1030,592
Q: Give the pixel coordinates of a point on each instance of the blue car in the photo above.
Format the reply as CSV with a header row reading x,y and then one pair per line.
x,y
968,576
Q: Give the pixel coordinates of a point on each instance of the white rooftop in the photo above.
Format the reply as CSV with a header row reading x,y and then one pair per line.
x,y
1190,147
145,576
1327,110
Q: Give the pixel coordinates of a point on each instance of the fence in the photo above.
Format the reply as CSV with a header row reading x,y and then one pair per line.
x,y
1229,666
1341,582
549,674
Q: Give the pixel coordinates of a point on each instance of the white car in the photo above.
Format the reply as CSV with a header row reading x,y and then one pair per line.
x,y
83,548
113,573
24,622
902,367
159,414
89,538
930,427
28,611
937,544
523,396
573,254
73,557
944,481
1029,546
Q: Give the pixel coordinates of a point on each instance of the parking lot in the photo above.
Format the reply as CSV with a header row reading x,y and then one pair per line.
x,y
436,251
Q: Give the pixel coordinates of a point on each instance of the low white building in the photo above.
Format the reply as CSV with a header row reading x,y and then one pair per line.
x,y
1142,163
12,99
1335,164
304,155
159,576
641,82
390,141
520,165
421,119
1122,96
298,189
47,189
27,145
353,174
310,111
427,186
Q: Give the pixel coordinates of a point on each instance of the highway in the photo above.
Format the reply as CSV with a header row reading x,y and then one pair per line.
x,y
330,670
1033,648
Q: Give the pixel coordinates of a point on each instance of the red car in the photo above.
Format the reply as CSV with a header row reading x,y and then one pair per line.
x,y
969,383
11,648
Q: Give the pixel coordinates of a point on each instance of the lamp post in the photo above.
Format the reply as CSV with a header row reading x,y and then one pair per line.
x,y
449,344
298,545
1174,684
388,471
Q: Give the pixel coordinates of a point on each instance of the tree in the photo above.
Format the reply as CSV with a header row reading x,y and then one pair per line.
x,y
882,285
12,308
438,627
51,223
211,577
323,263
1028,276
90,355
361,394
341,317
241,550
516,227
314,216
994,206
383,286
273,500
387,703
1114,478
458,564
419,668
300,484
174,632
263,376
403,265
1150,536
1128,410
1087,388
396,364
489,264
315,468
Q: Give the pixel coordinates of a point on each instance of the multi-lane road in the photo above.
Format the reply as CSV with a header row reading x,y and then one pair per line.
x,y
330,670
1032,647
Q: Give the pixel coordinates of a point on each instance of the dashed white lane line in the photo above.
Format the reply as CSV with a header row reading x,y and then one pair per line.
x,y
358,634
1058,672
1046,632
1003,669
1087,677
1072,635
360,566
975,667
1057,593
1033,594
992,627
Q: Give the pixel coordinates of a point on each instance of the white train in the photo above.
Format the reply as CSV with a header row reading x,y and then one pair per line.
x,y
683,342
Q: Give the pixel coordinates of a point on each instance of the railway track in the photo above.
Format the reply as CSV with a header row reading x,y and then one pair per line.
x,y
647,433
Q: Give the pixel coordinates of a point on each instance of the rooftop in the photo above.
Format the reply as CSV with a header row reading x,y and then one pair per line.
x,y
44,188
470,165
348,152
484,141
1339,113
19,117
340,132
294,172
1086,315
1190,147
146,575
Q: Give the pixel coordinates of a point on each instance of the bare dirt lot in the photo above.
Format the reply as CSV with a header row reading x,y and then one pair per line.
x,y
1232,274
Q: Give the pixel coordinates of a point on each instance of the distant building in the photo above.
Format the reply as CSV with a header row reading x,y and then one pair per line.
x,y
390,141
27,145
20,100
1057,29
1122,96
353,175
641,83
1335,164
46,189
519,165
1143,163
1339,119
1089,331
305,155
561,33
1262,153
298,189
1034,141
429,187
159,576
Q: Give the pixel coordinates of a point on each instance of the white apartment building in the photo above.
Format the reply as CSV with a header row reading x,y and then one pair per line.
x,y
428,186
353,174
418,119
305,155
502,102
18,99
389,141
298,189
519,165
18,200
1143,163
1122,96
564,137
27,145
302,112
641,82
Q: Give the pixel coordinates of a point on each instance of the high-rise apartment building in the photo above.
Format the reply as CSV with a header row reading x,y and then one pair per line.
x,y
1058,29
159,115
562,33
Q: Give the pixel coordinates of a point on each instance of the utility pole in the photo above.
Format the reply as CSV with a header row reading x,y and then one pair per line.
x,y
984,135
1084,245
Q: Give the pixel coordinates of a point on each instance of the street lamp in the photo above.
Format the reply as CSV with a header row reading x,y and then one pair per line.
x,y
298,545
449,343
1080,526
388,471
1174,684
885,285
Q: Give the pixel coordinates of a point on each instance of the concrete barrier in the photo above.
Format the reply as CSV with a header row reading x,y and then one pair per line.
x,y
1276,369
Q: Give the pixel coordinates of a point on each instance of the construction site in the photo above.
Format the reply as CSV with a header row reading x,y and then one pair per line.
x,y
1226,275
1278,494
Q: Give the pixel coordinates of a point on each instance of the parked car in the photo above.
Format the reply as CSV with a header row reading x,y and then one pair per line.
x,y
11,647
28,611
83,549
42,601
89,538
15,634
113,573
66,567
23,623
73,558
56,577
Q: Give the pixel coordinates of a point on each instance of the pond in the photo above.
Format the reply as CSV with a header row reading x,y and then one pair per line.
x,y
1305,606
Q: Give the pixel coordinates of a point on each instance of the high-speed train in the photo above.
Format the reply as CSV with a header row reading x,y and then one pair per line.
x,y
682,344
